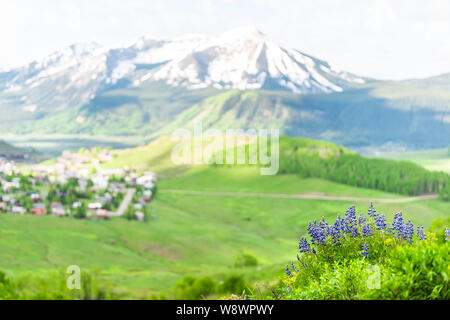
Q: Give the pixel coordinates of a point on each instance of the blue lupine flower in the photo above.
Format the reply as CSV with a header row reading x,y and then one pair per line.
x,y
318,232
371,212
350,221
335,234
293,267
367,230
397,225
447,234
304,245
380,222
287,291
288,272
420,233
409,231
362,219
312,231
365,250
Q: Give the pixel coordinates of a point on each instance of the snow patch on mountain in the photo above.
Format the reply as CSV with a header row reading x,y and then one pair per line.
x,y
241,58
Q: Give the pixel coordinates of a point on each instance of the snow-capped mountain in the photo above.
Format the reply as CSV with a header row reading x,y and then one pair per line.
x,y
242,58
245,59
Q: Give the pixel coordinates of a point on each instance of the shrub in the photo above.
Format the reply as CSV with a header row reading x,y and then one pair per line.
x,y
52,286
246,260
234,284
416,272
191,288
361,257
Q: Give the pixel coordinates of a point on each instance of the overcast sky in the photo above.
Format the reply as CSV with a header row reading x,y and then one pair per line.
x,y
387,39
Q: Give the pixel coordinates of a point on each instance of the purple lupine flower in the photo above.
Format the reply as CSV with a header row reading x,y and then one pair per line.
x,y
371,212
303,245
409,231
340,224
293,267
380,222
336,235
288,272
362,219
323,224
420,233
312,231
350,221
447,234
365,250
367,230
397,225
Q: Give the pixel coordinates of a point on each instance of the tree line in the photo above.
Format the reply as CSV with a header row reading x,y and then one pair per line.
x,y
401,177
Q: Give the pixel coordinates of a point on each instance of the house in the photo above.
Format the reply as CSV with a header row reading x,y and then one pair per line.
x,y
38,209
93,207
139,216
17,210
76,205
57,209
100,182
147,195
35,197
147,180
8,186
102,214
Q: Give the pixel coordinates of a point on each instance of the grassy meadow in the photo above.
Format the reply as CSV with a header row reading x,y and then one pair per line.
x,y
199,235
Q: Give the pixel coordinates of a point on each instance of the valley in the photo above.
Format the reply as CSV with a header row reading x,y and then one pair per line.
x,y
230,214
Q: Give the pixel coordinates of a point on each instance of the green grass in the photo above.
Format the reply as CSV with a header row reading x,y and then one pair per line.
x,y
192,235
248,179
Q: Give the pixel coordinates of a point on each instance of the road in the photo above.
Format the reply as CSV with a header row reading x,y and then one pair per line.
x,y
312,196
125,203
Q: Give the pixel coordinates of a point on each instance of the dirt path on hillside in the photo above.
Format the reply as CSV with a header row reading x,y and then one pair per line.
x,y
312,196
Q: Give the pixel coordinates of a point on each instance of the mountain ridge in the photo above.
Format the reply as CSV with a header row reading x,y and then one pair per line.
x,y
147,87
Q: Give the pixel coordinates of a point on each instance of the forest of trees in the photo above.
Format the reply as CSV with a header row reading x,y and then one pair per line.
x,y
325,160
401,177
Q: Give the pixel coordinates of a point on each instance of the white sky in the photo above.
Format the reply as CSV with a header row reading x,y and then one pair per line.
x,y
386,39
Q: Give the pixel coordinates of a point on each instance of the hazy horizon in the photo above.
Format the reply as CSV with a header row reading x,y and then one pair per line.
x,y
380,39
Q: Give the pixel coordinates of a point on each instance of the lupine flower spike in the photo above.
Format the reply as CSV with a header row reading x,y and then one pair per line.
x,y
420,233
288,272
365,250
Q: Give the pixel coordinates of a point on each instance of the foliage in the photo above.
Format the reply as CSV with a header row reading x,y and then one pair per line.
x,y
53,286
361,257
246,260
191,288
401,177
234,284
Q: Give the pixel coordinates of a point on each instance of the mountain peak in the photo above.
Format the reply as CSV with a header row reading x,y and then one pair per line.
x,y
240,58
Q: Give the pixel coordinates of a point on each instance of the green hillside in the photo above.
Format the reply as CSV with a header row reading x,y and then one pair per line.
x,y
205,221
191,234
11,152
412,114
